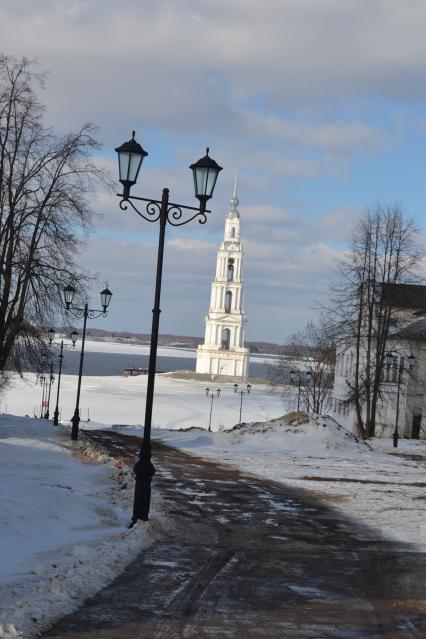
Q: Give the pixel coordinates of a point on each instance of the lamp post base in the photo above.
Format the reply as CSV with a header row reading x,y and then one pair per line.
x,y
56,417
75,422
144,470
395,439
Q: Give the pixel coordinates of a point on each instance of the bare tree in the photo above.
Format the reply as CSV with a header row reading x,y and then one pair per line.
x,y
311,364
46,183
366,304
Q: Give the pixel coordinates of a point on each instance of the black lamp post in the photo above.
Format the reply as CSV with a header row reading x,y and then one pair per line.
x,y
242,393
205,173
51,380
212,395
42,380
399,368
85,313
51,335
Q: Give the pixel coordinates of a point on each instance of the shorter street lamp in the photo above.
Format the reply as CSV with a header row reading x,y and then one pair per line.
x,y
296,377
211,394
242,393
51,336
85,312
399,369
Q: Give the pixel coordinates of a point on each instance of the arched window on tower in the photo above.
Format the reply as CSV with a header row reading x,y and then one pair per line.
x,y
226,339
228,301
233,231
230,270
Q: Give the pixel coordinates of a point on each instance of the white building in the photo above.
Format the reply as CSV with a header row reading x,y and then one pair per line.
x,y
404,380
223,351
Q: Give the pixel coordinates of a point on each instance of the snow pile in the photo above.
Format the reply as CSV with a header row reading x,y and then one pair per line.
x,y
63,527
298,430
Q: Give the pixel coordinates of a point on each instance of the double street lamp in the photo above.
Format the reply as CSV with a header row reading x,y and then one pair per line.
x,y
205,173
212,395
85,313
242,393
46,380
399,368
42,379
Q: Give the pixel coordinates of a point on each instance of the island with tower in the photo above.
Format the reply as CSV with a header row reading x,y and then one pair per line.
x,y
223,351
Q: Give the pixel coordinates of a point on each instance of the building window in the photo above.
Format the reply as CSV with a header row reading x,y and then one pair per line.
x,y
233,231
226,338
228,301
230,271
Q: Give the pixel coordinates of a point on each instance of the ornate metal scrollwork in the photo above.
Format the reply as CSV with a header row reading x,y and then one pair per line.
x,y
153,209
174,215
76,312
92,313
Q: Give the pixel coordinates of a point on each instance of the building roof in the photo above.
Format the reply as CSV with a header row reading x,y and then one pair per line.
x,y
409,296
415,330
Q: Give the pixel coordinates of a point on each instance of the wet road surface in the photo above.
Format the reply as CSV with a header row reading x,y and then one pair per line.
x,y
247,558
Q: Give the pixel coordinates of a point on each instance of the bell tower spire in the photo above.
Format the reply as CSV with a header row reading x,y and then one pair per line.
x,y
234,199
223,351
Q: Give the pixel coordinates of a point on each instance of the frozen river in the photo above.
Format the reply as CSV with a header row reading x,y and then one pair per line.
x,y
106,358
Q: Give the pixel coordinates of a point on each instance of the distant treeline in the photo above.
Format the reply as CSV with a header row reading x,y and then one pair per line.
x,y
182,341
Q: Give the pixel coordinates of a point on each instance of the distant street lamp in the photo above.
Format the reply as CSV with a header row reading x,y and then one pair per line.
x,y
205,173
242,393
85,312
297,377
212,395
42,380
51,335
51,380
398,364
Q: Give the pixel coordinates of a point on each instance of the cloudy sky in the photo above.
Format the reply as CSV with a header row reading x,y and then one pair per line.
x,y
320,102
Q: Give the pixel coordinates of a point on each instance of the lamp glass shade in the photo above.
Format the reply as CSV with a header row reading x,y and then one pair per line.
x,y
205,173
248,388
74,337
218,392
51,334
69,292
106,297
235,387
130,157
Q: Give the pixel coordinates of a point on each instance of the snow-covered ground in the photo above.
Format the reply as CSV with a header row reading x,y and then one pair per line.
x,y
121,400
60,515
63,529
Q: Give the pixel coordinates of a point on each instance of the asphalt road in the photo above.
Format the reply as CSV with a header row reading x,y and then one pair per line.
x,y
245,559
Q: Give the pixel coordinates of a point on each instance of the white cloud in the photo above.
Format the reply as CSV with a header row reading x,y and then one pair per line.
x,y
286,89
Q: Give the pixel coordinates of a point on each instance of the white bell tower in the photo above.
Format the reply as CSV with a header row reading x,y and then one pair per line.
x,y
223,351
